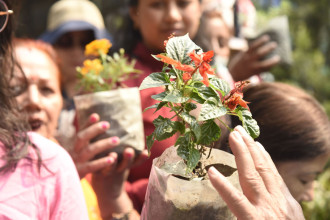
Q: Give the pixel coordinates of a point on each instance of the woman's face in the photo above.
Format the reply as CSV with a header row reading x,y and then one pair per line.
x,y
300,176
42,99
218,33
158,19
70,49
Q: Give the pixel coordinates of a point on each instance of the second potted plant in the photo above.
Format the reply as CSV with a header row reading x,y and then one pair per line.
x,y
104,93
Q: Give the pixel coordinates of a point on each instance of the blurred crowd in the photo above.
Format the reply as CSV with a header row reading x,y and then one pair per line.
x,y
41,180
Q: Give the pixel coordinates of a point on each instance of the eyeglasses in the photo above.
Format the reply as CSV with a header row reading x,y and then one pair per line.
x,y
4,14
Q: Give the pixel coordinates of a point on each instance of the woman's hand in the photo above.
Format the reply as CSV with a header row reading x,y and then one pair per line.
x,y
83,150
248,63
109,183
265,195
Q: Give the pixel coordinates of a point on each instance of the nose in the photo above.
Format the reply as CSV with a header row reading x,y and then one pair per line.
x,y
308,195
173,13
32,99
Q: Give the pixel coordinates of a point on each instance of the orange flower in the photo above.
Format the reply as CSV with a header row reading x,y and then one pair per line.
x,y
93,47
236,99
235,96
92,65
201,63
175,63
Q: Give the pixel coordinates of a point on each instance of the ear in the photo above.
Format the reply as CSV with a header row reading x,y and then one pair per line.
x,y
134,14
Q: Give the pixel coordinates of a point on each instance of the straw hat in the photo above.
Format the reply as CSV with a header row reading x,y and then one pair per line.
x,y
73,15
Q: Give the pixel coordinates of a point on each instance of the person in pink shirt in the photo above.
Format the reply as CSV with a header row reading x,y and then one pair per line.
x,y
38,179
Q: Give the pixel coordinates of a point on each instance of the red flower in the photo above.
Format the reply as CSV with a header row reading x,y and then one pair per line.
x,y
235,96
236,99
201,62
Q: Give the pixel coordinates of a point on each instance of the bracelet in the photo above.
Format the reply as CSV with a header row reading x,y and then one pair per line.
x,y
121,216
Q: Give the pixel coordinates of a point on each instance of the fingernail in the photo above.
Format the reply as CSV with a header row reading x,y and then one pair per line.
x,y
93,119
235,134
105,125
213,172
130,155
110,160
114,140
241,130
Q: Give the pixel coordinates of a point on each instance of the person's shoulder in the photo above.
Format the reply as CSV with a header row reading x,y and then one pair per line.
x,y
48,149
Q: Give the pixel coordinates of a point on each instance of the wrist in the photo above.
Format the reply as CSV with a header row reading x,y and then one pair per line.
x,y
116,208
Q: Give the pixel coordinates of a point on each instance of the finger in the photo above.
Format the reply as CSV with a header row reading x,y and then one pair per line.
x,y
128,158
110,169
251,182
268,63
93,118
143,156
236,201
91,150
266,49
276,175
258,42
96,165
85,135
262,164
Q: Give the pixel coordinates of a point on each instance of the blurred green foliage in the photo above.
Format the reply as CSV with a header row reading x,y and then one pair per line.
x,y
310,70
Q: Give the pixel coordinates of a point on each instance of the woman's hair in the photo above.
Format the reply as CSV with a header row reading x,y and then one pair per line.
x,y
127,36
293,125
13,136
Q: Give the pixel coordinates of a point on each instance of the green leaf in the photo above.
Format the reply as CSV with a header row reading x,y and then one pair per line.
x,y
175,96
178,48
190,106
220,85
165,128
183,146
210,110
196,130
249,124
193,158
188,118
157,106
155,80
160,96
207,92
210,133
150,142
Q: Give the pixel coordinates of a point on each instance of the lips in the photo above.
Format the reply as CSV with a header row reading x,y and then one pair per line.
x,y
35,124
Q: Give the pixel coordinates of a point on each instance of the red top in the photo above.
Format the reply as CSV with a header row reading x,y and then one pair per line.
x,y
138,178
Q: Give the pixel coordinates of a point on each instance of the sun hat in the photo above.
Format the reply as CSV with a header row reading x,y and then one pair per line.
x,y
74,15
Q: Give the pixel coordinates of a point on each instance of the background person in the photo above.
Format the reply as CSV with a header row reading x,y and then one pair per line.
x,y
71,24
35,173
148,24
294,130
42,99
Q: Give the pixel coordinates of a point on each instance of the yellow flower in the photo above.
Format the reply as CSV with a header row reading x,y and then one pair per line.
x,y
93,47
90,65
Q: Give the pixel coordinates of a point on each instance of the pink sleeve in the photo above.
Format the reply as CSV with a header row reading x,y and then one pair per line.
x,y
68,199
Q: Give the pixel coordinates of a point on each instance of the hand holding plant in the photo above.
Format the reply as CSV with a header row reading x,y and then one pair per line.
x,y
189,81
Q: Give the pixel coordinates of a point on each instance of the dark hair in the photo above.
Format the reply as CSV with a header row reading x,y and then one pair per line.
x,y
293,125
127,36
14,139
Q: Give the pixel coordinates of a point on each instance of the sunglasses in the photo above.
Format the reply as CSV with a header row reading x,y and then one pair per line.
x,y
69,40
4,14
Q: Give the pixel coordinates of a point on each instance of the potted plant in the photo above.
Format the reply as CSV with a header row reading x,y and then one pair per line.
x,y
103,92
178,181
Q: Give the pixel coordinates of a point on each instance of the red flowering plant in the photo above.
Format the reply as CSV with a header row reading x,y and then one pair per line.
x,y
189,80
